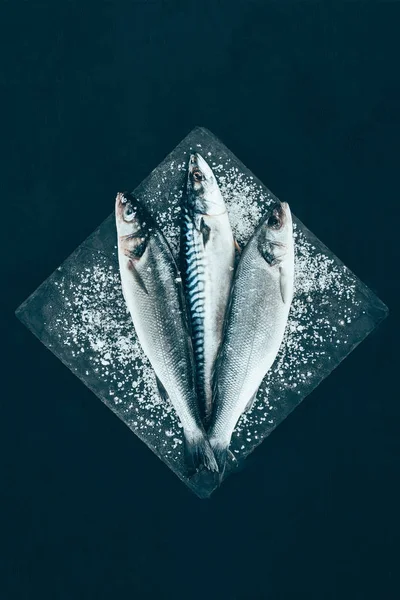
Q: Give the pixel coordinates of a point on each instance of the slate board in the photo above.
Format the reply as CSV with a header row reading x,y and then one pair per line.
x,y
80,315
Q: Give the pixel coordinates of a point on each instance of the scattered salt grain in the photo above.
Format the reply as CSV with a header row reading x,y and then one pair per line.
x,y
95,325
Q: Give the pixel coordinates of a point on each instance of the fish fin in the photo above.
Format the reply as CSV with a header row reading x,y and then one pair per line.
x,y
235,243
285,286
205,232
232,456
198,453
270,258
198,221
250,403
162,391
136,276
221,453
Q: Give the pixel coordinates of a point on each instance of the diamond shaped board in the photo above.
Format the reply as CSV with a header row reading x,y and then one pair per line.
x,y
80,315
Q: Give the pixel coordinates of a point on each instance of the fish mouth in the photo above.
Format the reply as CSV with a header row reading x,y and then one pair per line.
x,y
122,198
120,202
198,168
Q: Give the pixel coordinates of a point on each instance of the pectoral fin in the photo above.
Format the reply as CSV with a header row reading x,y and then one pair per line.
x,y
197,220
162,391
137,277
250,403
205,232
238,248
270,258
232,456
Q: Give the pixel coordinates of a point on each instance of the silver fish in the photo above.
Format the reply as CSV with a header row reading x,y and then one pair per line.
x,y
257,316
208,256
154,295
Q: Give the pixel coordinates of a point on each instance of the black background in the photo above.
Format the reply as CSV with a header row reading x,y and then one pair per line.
x,y
94,95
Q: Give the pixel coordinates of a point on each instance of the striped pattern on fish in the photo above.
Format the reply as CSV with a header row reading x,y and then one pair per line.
x,y
195,285
209,254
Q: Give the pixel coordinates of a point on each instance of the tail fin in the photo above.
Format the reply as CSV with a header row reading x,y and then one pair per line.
x,y
198,453
222,455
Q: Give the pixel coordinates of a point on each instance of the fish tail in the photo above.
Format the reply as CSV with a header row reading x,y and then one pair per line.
x,y
198,453
221,453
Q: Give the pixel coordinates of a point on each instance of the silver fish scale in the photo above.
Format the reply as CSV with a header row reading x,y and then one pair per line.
x,y
254,325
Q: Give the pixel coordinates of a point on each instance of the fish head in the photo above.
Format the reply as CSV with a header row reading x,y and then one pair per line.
x,y
204,195
134,225
276,233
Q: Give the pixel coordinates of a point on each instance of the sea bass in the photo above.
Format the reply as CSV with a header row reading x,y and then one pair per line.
x,y
208,257
257,316
154,295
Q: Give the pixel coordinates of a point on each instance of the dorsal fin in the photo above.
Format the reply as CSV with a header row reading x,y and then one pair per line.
x,y
205,232
238,248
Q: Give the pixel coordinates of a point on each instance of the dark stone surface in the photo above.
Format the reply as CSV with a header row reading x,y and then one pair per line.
x,y
79,314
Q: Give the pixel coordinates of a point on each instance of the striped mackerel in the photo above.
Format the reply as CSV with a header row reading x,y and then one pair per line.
x,y
208,257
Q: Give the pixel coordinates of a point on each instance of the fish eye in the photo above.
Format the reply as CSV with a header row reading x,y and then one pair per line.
x,y
274,222
128,213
